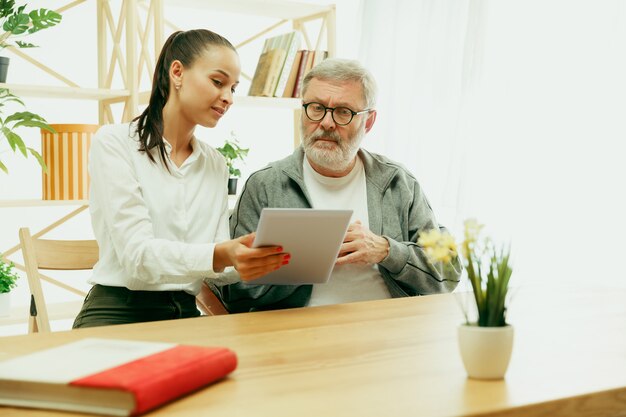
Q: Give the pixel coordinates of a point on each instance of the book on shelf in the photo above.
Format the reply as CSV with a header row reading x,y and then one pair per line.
x,y
319,57
300,74
266,73
308,61
274,65
291,44
293,74
110,377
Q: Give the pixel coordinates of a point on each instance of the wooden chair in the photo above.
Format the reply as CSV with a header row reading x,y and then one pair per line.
x,y
53,255
75,255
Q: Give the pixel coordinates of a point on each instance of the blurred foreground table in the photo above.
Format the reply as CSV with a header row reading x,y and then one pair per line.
x,y
394,358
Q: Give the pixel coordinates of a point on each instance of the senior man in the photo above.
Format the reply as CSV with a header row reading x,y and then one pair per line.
x,y
380,257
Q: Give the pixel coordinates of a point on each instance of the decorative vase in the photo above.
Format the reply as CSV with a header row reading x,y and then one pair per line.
x,y
485,351
232,186
5,304
65,153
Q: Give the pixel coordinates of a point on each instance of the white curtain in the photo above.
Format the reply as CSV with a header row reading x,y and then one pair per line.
x,y
513,112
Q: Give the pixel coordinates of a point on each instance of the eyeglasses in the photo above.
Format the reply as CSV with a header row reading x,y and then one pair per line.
x,y
341,115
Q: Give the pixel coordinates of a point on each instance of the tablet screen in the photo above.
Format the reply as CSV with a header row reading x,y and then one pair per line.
x,y
312,237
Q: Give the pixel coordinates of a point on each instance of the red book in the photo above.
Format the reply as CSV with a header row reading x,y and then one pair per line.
x,y
111,377
300,74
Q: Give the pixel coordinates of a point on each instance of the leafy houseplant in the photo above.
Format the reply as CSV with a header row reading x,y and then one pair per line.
x,y
16,22
7,277
488,269
486,344
232,151
11,122
7,283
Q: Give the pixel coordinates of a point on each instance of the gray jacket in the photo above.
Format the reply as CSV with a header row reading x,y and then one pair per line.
x,y
397,210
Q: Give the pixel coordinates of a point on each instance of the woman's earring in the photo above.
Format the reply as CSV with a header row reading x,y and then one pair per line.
x,y
177,86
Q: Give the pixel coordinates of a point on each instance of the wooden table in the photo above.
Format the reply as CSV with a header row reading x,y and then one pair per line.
x,y
395,358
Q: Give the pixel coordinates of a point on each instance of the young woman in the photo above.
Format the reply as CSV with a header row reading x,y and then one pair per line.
x,y
158,198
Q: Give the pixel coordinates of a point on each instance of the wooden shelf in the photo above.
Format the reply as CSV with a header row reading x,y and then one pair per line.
x,y
78,93
42,203
281,9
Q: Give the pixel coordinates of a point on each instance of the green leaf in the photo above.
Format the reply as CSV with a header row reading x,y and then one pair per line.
x,y
25,44
8,134
4,168
9,99
39,159
6,8
43,19
35,123
18,141
6,96
232,151
24,116
7,276
16,23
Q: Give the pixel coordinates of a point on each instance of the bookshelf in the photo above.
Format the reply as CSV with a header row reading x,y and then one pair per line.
x,y
129,37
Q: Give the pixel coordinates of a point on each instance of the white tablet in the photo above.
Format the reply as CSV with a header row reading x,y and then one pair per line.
x,y
312,237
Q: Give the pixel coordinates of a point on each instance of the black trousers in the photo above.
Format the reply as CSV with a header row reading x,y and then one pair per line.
x,y
106,305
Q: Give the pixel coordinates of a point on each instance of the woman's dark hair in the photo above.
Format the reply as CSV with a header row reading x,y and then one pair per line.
x,y
185,47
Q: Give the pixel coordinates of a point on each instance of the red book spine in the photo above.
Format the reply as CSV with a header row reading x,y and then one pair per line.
x,y
301,73
157,379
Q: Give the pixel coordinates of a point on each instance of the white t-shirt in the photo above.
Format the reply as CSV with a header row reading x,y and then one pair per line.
x,y
347,282
156,230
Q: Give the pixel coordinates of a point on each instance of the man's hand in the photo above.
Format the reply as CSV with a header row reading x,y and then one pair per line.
x,y
251,263
361,246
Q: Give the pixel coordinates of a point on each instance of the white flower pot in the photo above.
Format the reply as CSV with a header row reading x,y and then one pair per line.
x,y
485,351
5,304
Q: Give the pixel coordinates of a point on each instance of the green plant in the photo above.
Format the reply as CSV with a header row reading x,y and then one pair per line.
x,y
488,269
19,119
16,22
231,151
7,276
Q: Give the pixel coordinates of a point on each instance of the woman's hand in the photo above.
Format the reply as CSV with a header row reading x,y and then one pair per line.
x,y
251,263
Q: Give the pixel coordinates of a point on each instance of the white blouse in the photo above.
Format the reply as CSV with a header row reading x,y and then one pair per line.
x,y
156,229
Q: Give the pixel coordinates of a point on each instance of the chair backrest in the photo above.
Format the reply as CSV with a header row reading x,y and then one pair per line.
x,y
57,255
209,303
75,255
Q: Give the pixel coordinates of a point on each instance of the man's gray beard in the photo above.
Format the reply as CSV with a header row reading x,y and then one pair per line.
x,y
337,159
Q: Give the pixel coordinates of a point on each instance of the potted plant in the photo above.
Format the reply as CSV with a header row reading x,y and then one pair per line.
x,y
16,22
7,283
486,341
11,122
231,151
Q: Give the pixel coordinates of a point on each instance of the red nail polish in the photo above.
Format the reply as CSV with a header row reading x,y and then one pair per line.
x,y
279,249
285,262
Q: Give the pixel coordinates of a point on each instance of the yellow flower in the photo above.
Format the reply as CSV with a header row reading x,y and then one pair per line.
x,y
439,247
429,238
439,254
472,230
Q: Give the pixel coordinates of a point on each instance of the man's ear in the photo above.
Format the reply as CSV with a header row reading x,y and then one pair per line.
x,y
369,123
176,72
